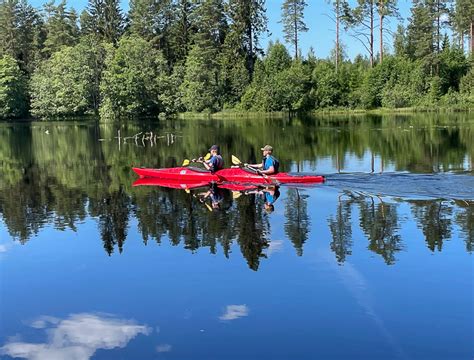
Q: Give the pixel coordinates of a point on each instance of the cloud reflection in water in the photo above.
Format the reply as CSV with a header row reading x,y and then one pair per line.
x,y
234,312
77,337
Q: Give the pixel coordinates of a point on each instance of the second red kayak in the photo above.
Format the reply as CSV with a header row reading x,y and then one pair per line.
x,y
227,175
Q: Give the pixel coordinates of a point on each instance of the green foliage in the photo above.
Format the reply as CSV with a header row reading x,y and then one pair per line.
x,y
21,33
61,27
453,66
13,99
200,87
105,19
170,56
131,82
279,83
67,83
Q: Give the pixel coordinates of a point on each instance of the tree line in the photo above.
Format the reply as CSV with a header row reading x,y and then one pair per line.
x,y
171,56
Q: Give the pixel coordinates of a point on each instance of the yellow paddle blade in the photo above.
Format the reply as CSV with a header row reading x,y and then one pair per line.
x,y
236,194
208,206
236,160
187,191
185,162
207,157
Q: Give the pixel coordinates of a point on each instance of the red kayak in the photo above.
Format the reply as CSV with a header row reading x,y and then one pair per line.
x,y
176,184
187,174
170,183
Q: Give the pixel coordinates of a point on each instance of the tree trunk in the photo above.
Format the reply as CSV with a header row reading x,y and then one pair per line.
x,y
372,33
296,37
337,35
472,37
462,41
381,33
250,50
438,15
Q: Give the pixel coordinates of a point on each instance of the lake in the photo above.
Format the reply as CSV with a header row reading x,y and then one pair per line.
x,y
376,263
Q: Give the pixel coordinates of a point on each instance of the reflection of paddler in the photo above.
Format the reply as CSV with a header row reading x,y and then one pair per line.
x,y
271,195
215,194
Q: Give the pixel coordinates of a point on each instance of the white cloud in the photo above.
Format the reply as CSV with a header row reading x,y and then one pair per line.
x,y
234,312
3,248
77,337
274,247
163,348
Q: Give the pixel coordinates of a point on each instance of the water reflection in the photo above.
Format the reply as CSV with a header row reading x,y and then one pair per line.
x,y
233,312
78,336
68,177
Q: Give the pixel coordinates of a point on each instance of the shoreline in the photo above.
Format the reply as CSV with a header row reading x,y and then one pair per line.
x,y
235,114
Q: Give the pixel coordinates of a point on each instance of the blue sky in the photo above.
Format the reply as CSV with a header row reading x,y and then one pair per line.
x,y
321,28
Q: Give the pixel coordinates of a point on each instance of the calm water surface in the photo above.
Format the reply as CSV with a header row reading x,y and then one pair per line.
x,y
374,264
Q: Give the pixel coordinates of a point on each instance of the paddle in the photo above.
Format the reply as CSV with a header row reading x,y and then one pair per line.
x,y
236,161
186,162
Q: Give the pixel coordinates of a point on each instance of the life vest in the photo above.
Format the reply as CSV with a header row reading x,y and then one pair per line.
x,y
276,163
218,164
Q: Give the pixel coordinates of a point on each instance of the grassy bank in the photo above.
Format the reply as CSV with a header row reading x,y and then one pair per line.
x,y
231,114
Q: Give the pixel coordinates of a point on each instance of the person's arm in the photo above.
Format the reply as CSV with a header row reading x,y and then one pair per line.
x,y
269,171
255,166
207,166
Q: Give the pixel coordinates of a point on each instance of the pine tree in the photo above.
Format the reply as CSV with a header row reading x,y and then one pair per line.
x,y
151,20
292,19
201,81
361,20
421,32
21,32
106,19
61,27
182,29
9,35
341,9
32,35
385,8
462,19
248,21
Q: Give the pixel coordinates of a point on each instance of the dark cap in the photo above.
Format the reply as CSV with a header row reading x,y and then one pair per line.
x,y
267,148
214,147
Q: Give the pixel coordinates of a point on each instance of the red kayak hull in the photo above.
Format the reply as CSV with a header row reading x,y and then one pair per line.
x,y
186,174
183,174
170,183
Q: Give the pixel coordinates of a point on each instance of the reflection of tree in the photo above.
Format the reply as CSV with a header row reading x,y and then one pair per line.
x,y
341,230
465,220
36,200
51,177
252,230
112,211
379,223
434,219
297,220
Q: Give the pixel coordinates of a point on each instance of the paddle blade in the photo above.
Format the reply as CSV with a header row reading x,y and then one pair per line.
x,y
207,157
236,160
208,206
187,191
185,162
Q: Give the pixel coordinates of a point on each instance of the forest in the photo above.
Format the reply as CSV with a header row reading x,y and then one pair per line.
x,y
165,57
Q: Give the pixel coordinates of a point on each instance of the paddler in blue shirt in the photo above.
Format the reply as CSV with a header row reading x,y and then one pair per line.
x,y
269,164
216,162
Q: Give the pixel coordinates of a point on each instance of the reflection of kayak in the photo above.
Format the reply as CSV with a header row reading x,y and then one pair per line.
x,y
170,183
186,174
